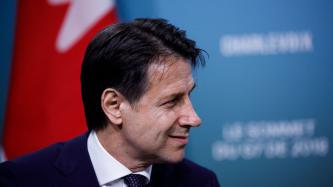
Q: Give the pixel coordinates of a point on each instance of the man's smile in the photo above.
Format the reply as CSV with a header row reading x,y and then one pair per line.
x,y
181,138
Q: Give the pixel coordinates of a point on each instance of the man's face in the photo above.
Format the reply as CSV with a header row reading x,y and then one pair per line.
x,y
157,128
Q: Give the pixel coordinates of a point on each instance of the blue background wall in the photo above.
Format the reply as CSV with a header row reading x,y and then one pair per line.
x,y
7,24
265,96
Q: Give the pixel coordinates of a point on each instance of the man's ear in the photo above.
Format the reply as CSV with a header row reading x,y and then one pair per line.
x,y
110,102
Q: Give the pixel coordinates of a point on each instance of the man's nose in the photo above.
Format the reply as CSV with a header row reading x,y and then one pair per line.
x,y
188,116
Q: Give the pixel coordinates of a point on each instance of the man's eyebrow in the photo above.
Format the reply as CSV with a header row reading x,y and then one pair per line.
x,y
179,94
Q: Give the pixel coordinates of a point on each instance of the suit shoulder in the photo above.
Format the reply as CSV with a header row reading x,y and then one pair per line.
x,y
197,175
40,156
185,173
46,155
26,168
192,167
50,165
33,161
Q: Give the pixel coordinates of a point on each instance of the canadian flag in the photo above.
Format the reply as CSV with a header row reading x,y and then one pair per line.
x,y
44,101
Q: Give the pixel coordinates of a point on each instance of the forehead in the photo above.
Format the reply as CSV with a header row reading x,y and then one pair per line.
x,y
171,73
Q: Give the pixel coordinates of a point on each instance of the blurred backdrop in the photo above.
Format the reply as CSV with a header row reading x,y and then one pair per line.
x,y
265,96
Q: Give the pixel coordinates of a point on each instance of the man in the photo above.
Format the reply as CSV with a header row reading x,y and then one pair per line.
x,y
136,80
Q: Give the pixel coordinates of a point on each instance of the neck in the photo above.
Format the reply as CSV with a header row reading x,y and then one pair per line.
x,y
113,143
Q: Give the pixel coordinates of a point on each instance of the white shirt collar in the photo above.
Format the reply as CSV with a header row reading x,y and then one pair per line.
x,y
106,167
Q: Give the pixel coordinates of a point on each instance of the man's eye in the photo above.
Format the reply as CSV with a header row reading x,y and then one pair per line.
x,y
171,102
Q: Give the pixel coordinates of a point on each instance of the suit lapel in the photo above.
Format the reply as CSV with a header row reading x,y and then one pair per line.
x,y
75,164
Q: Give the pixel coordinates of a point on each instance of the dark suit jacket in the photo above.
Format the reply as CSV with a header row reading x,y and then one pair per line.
x,y
69,164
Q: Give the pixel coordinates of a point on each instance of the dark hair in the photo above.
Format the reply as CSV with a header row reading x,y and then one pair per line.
x,y
119,57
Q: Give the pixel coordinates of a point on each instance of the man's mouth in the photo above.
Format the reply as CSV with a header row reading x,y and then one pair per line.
x,y
183,139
